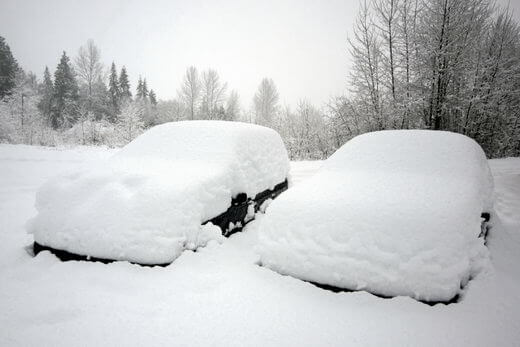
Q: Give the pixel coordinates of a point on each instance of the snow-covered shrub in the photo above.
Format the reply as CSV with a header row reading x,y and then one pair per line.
x,y
7,123
130,123
89,131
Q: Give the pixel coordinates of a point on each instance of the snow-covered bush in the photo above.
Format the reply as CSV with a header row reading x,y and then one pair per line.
x,y
7,123
89,131
130,123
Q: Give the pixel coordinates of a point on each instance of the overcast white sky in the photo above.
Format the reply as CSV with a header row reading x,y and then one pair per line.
x,y
301,44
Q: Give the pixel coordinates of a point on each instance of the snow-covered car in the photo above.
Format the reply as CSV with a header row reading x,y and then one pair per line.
x,y
175,187
392,212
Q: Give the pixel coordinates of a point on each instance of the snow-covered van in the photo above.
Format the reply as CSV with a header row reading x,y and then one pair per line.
x,y
391,212
175,187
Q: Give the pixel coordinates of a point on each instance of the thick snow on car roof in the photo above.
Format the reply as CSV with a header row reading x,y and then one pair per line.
x,y
392,212
146,203
255,153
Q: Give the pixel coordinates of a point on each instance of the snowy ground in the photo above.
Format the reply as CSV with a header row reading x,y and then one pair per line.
x,y
218,296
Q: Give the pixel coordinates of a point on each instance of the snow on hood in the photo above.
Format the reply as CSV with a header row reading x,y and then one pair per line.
x,y
392,212
146,203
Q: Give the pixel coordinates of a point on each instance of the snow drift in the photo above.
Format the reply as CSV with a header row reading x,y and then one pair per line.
x,y
146,203
391,212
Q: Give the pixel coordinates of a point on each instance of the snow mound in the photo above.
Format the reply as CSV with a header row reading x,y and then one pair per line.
x,y
391,212
147,202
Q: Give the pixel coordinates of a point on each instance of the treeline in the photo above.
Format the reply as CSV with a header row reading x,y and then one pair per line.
x,y
435,64
417,64
83,102
80,103
421,64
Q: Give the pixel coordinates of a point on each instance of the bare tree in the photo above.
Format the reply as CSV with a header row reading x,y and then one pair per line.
x,y
448,47
386,14
190,91
305,132
266,102
88,64
171,111
491,115
406,34
365,78
213,95
233,106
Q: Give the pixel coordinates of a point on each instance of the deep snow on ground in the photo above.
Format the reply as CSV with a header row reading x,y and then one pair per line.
x,y
219,296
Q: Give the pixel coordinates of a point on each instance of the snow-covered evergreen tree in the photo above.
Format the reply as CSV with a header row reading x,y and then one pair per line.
x,y
66,95
142,89
8,69
114,92
124,85
47,94
153,98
